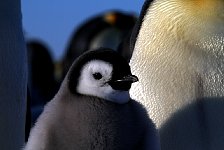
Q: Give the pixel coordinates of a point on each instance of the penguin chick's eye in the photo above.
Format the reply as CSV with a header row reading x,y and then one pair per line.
x,y
97,76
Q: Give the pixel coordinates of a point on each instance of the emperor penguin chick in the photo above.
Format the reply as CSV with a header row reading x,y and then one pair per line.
x,y
93,110
179,58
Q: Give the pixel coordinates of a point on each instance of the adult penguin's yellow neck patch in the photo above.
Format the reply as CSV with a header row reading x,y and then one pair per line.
x,y
111,18
205,9
206,5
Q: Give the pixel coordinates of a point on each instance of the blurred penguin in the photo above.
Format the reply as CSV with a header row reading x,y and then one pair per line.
x,y
93,109
42,84
107,29
179,59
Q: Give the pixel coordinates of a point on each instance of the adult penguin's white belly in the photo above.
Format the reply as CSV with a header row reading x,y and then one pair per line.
x,y
179,59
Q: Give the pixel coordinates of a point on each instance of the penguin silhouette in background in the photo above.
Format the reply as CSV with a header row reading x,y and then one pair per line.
x,y
179,59
107,29
93,109
42,83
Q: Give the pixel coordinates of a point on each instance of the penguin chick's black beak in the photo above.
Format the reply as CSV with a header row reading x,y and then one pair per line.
x,y
123,84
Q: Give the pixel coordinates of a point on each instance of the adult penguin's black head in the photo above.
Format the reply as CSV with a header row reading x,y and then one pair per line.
x,y
107,29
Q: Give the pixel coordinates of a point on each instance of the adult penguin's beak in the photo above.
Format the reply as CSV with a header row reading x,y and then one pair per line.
x,y
124,83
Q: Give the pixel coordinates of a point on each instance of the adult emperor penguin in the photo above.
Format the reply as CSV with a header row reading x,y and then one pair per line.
x,y
179,59
93,110
106,29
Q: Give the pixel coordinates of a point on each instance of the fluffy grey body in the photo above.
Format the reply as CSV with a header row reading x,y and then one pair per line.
x,y
73,121
92,123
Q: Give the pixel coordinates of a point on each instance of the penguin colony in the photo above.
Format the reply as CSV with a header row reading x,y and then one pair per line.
x,y
179,59
93,110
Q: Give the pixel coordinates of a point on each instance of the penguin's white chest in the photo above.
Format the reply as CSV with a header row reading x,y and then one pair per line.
x,y
174,74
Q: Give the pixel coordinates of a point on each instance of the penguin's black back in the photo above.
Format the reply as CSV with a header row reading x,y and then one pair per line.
x,y
138,24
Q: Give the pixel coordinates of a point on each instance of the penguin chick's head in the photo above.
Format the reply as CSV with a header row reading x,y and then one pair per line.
x,y
102,73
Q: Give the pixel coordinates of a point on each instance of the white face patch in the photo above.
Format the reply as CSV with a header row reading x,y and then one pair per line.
x,y
99,87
